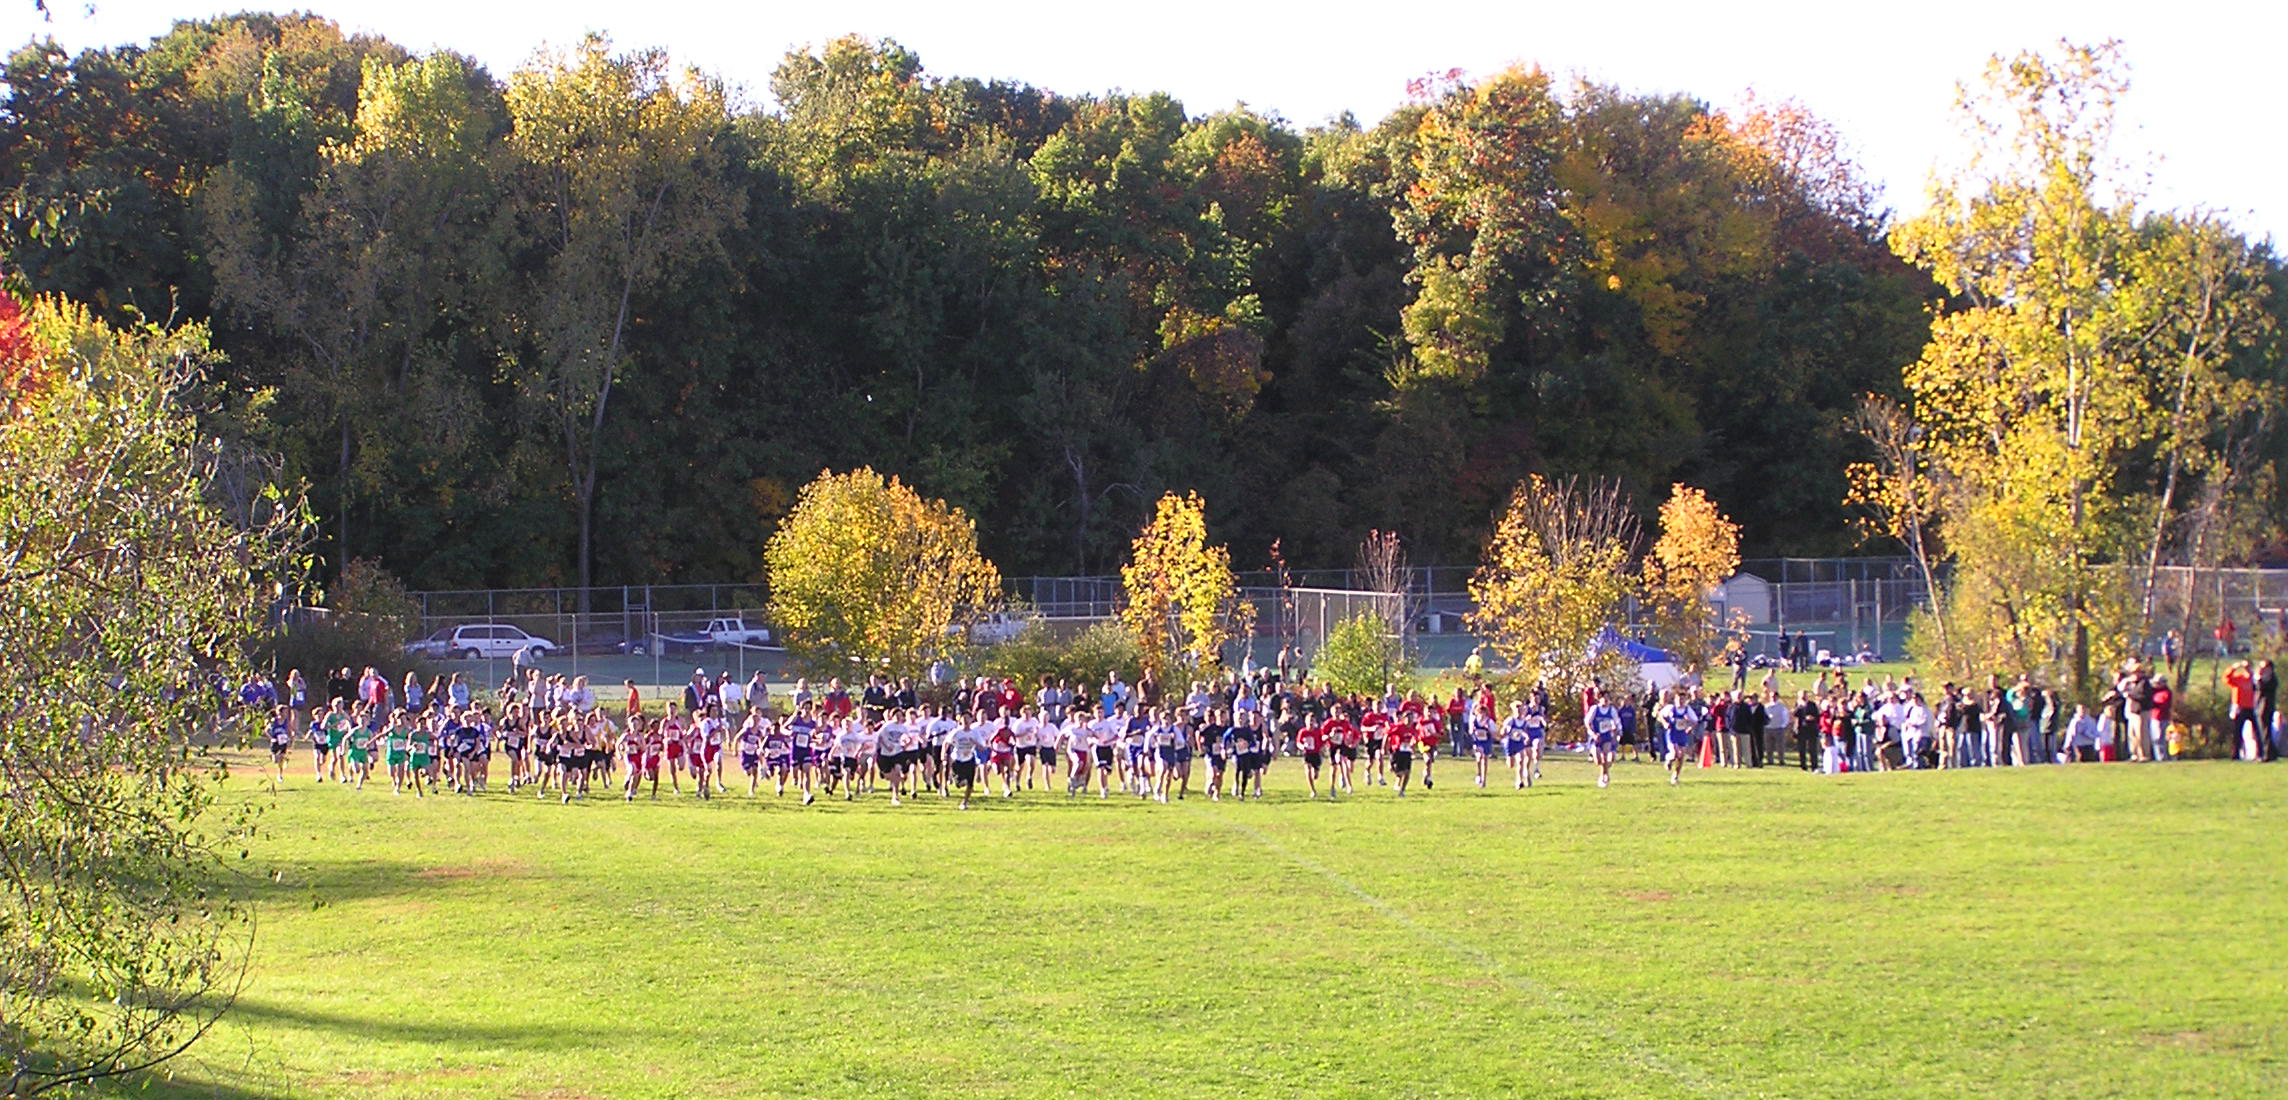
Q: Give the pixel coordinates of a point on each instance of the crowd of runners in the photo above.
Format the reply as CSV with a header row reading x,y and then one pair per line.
x,y
556,737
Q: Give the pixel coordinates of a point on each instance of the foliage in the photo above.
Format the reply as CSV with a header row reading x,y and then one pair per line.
x,y
1182,603
1555,576
127,588
1082,659
366,620
2089,339
1361,655
620,182
865,570
1697,551
445,292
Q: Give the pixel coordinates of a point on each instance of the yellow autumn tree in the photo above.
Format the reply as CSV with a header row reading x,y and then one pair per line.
x,y
1554,577
864,568
1698,549
1183,603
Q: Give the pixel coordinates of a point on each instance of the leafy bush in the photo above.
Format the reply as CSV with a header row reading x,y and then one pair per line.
x,y
1082,659
370,618
1361,656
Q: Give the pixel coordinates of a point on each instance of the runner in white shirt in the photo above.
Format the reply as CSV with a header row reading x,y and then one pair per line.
x,y
1073,738
1025,737
1104,745
962,756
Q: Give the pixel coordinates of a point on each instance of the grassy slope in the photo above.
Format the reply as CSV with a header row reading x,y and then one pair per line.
x,y
2052,932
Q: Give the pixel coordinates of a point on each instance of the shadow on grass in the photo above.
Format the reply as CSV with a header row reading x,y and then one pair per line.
x,y
428,1031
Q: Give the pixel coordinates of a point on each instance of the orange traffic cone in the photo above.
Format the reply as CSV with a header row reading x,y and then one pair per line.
x,y
1708,752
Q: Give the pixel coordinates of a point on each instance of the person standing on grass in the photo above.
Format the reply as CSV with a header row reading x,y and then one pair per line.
x,y
2082,735
1805,721
2268,701
1250,749
1604,733
2161,704
2242,730
2135,688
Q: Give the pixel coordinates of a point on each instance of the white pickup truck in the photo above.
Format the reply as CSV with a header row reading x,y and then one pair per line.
x,y
735,631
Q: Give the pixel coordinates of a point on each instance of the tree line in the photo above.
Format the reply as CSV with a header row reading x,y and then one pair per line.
x,y
599,320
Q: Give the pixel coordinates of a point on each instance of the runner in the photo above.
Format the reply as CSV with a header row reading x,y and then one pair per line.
x,y
361,746
1398,742
1604,733
751,749
281,735
1343,740
1482,731
326,743
967,745
1516,730
1104,741
778,751
1429,733
673,733
1311,741
421,745
514,738
1373,737
1678,721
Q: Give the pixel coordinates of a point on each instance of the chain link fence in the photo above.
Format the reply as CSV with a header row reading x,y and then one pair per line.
x,y
659,633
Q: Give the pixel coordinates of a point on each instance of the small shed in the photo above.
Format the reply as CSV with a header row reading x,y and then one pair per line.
x,y
1748,594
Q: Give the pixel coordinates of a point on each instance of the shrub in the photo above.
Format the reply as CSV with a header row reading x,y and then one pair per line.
x,y
1361,656
1082,659
368,623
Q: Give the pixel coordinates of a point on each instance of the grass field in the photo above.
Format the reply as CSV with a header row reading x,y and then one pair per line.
x,y
2051,932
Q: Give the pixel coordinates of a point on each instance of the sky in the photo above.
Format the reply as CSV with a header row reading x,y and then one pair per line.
x,y
2198,128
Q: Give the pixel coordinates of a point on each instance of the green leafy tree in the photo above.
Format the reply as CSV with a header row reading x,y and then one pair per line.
x,y
121,941
2089,339
620,184
397,239
1360,655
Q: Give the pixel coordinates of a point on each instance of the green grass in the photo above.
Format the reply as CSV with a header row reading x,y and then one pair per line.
x,y
2052,932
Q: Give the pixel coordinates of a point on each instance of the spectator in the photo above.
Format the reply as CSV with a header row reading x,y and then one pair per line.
x,y
2244,732
2268,703
2082,737
2161,702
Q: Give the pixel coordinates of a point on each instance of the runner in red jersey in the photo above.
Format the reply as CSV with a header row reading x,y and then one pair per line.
x,y
1311,741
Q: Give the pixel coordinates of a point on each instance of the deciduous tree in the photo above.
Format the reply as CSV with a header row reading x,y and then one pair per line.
x,y
1182,603
126,589
1555,577
1697,551
865,570
621,184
